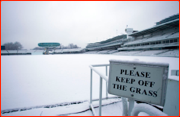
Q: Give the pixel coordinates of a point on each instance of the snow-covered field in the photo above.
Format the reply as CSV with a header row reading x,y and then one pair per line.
x,y
35,80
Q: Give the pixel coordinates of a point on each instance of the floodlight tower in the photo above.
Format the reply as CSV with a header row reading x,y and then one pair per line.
x,y
128,31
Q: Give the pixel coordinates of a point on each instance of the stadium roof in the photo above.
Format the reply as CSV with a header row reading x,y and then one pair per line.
x,y
123,36
168,19
114,38
174,23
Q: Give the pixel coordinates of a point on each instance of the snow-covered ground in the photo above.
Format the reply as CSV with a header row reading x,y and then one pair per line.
x,y
30,81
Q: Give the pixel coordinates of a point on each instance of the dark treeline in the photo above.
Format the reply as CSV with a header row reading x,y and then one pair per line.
x,y
13,46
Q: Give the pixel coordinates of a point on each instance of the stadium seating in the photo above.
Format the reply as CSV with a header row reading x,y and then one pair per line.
x,y
172,53
150,52
159,40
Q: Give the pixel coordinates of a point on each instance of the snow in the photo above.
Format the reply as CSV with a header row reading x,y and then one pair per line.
x,y
31,80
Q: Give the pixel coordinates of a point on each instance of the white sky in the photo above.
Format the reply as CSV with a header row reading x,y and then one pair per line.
x,y
31,22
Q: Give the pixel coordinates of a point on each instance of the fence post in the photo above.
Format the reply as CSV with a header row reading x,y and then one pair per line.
x,y
106,85
106,70
125,108
100,96
131,106
91,88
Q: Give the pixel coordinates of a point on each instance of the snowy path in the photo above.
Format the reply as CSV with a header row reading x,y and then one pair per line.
x,y
110,107
72,110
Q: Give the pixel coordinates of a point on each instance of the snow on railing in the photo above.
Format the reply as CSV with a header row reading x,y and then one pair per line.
x,y
102,76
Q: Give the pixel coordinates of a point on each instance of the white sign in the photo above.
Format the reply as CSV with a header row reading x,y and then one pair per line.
x,y
141,81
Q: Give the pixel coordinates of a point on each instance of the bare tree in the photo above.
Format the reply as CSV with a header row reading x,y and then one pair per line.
x,y
18,46
71,45
75,46
13,46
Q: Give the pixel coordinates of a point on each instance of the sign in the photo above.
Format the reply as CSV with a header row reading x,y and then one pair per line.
x,y
141,81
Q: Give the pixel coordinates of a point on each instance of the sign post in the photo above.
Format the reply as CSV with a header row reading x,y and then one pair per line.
x,y
138,80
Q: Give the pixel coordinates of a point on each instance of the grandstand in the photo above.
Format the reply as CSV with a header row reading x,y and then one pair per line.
x,y
159,40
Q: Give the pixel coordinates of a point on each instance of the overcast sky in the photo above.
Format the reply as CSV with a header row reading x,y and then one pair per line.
x,y
32,22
